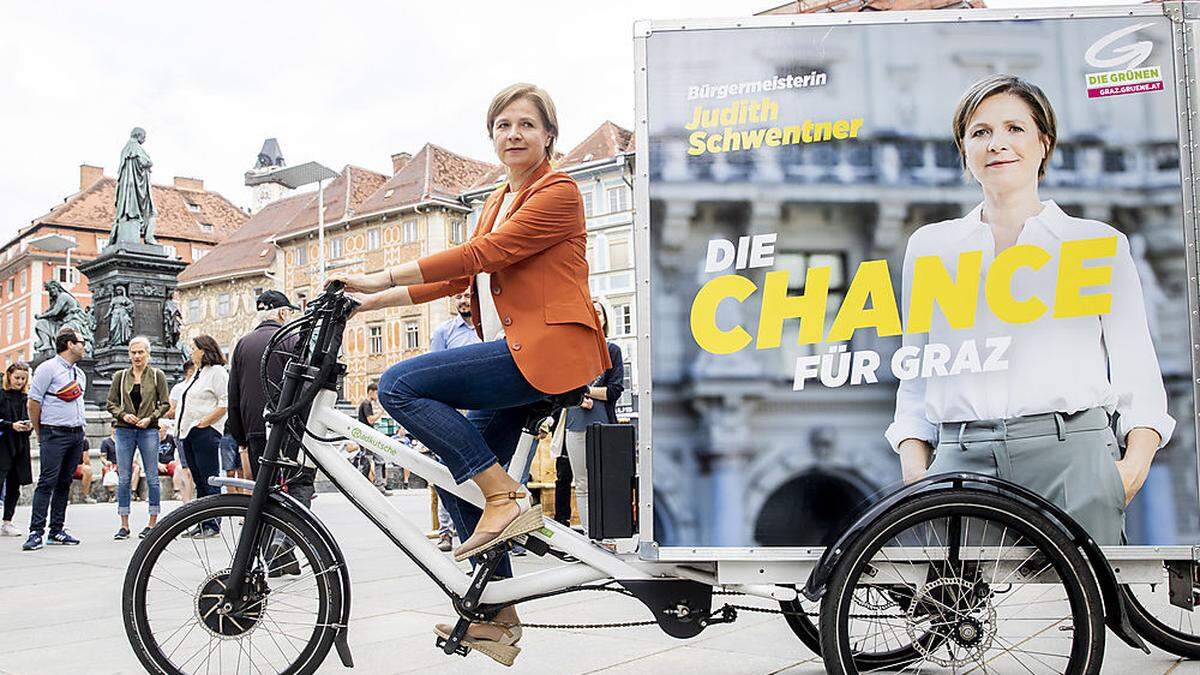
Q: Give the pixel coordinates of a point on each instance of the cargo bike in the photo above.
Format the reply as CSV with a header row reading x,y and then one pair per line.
x,y
957,571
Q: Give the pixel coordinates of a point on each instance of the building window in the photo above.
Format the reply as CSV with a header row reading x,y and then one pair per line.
x,y
618,253
67,276
375,339
588,208
198,253
458,231
23,277
223,304
23,322
8,325
206,227
12,286
373,240
171,252
302,255
193,306
194,208
622,323
409,232
335,248
412,335
618,199
101,242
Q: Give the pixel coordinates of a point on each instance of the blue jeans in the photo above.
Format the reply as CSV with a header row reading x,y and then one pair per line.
x,y
424,394
145,441
60,450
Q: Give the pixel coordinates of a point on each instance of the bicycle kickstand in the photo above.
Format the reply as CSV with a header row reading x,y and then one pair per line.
x,y
469,603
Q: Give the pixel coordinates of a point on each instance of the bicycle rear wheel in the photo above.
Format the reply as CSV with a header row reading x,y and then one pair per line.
x,y
1172,629
979,581
174,587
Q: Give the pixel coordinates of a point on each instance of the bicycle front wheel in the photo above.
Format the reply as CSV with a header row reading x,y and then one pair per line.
x,y
172,599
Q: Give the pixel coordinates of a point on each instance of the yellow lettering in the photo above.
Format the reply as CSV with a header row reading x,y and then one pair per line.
x,y
871,282
957,298
1074,277
778,306
705,331
696,141
998,287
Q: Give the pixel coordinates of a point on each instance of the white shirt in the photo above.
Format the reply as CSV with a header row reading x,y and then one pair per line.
x,y
209,391
1054,365
489,318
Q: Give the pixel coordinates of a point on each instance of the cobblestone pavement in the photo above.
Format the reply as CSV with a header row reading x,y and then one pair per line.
x,y
60,613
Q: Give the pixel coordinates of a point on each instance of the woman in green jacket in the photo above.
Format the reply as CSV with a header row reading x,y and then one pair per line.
x,y
137,398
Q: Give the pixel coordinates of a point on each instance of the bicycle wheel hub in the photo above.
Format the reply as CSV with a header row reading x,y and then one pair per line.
x,y
953,608
221,620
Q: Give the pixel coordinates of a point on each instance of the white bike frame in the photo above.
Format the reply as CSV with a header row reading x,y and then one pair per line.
x,y
595,563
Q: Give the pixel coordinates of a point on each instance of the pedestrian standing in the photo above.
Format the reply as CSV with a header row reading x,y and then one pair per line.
x,y
599,405
56,413
202,407
368,416
248,400
137,398
189,489
457,331
16,466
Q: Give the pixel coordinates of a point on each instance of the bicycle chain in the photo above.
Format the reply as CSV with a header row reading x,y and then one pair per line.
x,y
650,622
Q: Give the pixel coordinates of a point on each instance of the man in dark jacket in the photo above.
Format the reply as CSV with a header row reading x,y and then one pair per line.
x,y
247,400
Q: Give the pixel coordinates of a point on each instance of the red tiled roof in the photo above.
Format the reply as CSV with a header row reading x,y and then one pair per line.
x,y
433,172
94,208
607,141
248,250
354,183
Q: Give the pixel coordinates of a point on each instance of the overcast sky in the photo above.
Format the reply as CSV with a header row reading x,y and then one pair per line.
x,y
336,82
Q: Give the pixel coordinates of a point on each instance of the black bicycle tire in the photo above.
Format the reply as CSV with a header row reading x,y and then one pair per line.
x,y
1036,527
191,514
810,636
1158,633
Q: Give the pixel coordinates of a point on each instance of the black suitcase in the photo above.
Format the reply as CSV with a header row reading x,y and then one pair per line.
x,y
612,481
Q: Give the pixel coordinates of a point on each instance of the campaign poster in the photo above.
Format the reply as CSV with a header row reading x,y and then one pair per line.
x,y
884,250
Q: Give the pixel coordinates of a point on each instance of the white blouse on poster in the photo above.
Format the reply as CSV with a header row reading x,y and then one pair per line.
x,y
1054,365
489,318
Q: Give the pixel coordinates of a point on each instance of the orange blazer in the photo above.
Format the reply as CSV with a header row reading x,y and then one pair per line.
x,y
537,258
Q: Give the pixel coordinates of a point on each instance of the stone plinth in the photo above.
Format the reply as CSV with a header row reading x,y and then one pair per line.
x,y
148,276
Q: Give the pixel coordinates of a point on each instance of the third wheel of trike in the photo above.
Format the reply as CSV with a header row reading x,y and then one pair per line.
x,y
966,580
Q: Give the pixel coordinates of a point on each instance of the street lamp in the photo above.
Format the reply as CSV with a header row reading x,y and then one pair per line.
x,y
293,177
55,243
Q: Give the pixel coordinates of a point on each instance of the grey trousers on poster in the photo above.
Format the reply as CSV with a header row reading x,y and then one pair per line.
x,y
1067,458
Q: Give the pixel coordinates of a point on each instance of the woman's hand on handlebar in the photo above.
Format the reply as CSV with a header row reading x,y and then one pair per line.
x,y
362,283
366,302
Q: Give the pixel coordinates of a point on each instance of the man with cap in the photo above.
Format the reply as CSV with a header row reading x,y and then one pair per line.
x,y
247,399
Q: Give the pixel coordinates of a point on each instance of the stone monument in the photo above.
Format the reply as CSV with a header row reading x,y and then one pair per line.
x,y
132,281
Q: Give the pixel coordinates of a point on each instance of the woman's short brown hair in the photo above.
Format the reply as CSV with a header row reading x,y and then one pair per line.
x,y
1039,108
212,351
13,367
535,95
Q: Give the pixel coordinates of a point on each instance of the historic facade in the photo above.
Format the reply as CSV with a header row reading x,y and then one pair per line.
x,y
414,213
191,220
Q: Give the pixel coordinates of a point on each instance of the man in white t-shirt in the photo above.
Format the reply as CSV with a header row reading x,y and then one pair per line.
x,y
189,369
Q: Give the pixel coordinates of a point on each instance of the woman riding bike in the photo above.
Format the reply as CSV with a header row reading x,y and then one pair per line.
x,y
526,264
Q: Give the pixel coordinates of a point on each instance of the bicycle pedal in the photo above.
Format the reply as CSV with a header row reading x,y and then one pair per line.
x,y
461,649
